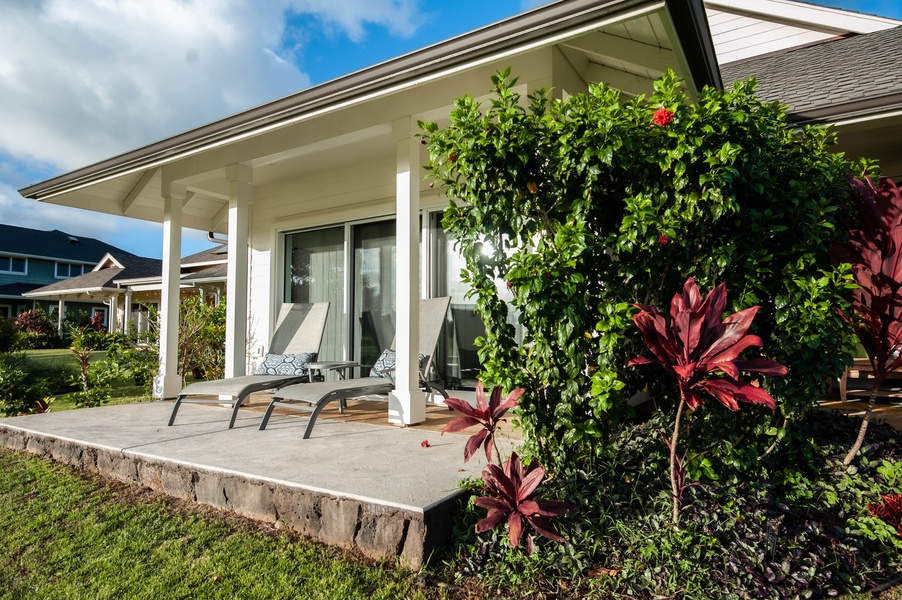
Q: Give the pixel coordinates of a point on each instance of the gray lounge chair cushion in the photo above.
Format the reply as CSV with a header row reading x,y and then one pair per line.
x,y
286,364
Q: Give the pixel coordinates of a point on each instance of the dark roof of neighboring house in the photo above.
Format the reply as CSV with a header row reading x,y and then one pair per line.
x,y
218,254
92,280
132,267
137,266
838,78
215,272
53,244
17,289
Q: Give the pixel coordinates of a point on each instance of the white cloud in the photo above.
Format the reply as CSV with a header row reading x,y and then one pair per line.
x,y
82,80
400,17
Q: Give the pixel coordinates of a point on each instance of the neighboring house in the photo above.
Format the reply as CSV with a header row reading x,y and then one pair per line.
x,y
341,212
123,286
31,258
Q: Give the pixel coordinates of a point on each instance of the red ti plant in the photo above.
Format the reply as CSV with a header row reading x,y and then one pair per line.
x,y
889,510
487,414
702,351
513,488
875,252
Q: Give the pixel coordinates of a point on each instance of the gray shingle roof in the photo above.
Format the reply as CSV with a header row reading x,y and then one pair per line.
x,y
137,266
53,244
93,280
219,253
839,77
132,267
213,272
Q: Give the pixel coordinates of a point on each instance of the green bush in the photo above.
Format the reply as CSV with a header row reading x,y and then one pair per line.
x,y
7,335
20,392
582,206
201,338
35,331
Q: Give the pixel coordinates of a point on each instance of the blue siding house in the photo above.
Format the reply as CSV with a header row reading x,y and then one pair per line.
x,y
30,258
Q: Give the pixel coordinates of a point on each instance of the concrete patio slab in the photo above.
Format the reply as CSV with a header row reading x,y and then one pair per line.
x,y
353,484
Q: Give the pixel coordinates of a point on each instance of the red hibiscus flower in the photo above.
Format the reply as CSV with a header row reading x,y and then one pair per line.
x,y
662,117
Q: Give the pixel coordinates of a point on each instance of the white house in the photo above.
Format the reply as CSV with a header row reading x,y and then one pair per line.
x,y
321,193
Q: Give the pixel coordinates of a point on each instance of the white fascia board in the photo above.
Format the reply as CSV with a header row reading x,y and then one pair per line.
x,y
69,292
206,263
842,21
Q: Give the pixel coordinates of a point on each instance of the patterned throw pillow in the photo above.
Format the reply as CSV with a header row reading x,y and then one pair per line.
x,y
286,364
385,364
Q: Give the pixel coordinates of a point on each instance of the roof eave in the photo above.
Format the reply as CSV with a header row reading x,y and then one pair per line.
x,y
520,30
68,292
867,108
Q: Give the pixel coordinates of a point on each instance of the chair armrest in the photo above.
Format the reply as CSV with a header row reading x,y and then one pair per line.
x,y
339,366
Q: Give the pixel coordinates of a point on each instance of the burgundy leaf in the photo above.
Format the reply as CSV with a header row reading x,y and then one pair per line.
x,y
512,487
491,520
515,527
473,443
708,345
459,424
487,414
461,406
541,525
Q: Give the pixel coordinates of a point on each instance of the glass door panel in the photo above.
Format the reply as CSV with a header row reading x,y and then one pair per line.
x,y
315,272
373,289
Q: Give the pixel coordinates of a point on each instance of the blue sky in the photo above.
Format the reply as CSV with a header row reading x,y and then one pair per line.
x,y
83,80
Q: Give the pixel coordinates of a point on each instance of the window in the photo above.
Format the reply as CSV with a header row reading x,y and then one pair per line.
x,y
67,270
13,264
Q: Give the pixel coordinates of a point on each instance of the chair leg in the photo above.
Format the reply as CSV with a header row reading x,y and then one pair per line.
x,y
175,409
268,414
312,420
238,403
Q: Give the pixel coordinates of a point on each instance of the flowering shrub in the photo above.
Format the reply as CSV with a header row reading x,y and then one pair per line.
x,y
587,203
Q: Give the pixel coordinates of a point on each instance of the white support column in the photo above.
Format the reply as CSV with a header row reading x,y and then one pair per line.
x,y
127,313
407,404
240,195
61,307
114,322
168,383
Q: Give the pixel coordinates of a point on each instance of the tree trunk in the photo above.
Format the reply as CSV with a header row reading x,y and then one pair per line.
x,y
864,424
673,463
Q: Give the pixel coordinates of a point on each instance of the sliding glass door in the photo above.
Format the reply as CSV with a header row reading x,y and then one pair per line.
x,y
319,268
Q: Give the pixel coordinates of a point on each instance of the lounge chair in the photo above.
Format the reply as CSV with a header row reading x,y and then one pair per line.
x,y
295,342
315,396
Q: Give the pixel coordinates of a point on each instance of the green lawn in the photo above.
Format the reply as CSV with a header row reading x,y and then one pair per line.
x,y
67,536
46,362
